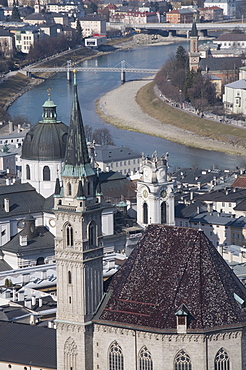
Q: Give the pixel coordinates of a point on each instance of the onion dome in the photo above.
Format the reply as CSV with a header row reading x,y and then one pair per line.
x,y
46,141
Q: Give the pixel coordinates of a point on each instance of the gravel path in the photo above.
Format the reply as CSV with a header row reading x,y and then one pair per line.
x,y
119,108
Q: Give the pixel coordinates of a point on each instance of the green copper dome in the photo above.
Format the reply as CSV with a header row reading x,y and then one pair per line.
x,y
46,141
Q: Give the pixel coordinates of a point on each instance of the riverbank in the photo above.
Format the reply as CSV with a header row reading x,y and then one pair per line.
x,y
120,108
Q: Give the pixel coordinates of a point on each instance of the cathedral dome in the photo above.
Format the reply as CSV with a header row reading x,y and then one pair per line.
x,y
46,141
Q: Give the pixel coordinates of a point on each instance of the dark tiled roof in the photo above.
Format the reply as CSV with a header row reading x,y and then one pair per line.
x,y
28,344
42,240
220,64
114,186
232,37
23,198
4,266
169,267
225,195
109,153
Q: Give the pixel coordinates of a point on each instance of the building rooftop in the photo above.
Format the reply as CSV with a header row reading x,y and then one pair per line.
x,y
171,267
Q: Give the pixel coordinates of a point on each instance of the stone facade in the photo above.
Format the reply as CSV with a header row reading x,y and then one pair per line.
x,y
201,348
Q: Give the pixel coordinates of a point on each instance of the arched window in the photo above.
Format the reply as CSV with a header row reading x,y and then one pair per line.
x,y
69,235
69,277
70,353
163,213
69,189
46,173
28,172
182,361
40,261
92,233
145,360
145,213
116,360
221,361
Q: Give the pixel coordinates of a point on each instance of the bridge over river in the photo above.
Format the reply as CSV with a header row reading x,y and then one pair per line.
x,y
122,68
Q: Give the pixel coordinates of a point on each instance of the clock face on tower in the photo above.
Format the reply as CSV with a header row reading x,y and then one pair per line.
x,y
145,193
163,193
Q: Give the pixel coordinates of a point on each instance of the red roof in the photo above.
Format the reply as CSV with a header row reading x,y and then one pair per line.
x,y
171,267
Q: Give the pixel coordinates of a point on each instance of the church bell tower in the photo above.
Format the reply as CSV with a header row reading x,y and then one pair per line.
x,y
155,197
78,249
194,55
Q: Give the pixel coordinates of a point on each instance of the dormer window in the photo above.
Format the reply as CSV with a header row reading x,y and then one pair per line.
x,y
182,316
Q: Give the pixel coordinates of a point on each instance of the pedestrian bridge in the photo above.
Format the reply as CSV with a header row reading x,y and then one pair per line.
x,y
122,69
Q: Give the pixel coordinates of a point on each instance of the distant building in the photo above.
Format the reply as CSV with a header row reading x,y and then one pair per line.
x,y
234,98
228,6
231,41
211,14
92,25
25,38
6,42
118,159
94,42
180,16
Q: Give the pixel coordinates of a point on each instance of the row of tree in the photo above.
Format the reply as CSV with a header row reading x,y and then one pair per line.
x,y
178,83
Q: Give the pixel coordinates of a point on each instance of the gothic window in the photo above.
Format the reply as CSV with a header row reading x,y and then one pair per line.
x,y
145,360
163,213
70,353
145,213
69,277
182,361
194,46
69,189
116,360
28,172
92,233
222,361
69,235
46,173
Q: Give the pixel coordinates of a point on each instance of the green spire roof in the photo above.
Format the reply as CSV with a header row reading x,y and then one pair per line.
x,y
77,161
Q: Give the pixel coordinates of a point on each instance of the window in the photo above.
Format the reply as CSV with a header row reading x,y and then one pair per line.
x,y
182,361
145,213
222,360
92,233
69,277
164,213
145,360
69,235
70,353
28,172
69,189
116,360
46,173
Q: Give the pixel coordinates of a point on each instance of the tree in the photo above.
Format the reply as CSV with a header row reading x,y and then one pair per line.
x,y
20,120
203,92
102,136
15,14
92,7
78,32
88,133
181,58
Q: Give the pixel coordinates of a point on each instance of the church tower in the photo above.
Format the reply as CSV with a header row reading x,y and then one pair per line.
x,y
78,249
194,55
155,198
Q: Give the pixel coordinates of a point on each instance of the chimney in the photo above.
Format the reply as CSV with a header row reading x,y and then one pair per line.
x,y
23,240
28,303
6,204
14,297
198,210
40,302
20,296
33,300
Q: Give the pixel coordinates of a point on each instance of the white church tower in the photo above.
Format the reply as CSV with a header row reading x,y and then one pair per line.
x,y
155,197
78,249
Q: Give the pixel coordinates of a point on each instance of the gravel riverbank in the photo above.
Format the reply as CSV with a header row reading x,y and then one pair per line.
x,y
119,108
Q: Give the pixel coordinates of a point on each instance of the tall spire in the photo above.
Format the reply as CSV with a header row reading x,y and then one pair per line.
x,y
194,32
77,161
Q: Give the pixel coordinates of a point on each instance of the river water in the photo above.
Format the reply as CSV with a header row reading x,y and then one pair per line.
x,y
91,86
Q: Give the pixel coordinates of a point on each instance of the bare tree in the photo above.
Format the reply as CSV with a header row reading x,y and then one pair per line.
x,y
102,136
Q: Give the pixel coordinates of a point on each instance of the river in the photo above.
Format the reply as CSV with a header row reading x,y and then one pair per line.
x,y
91,86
